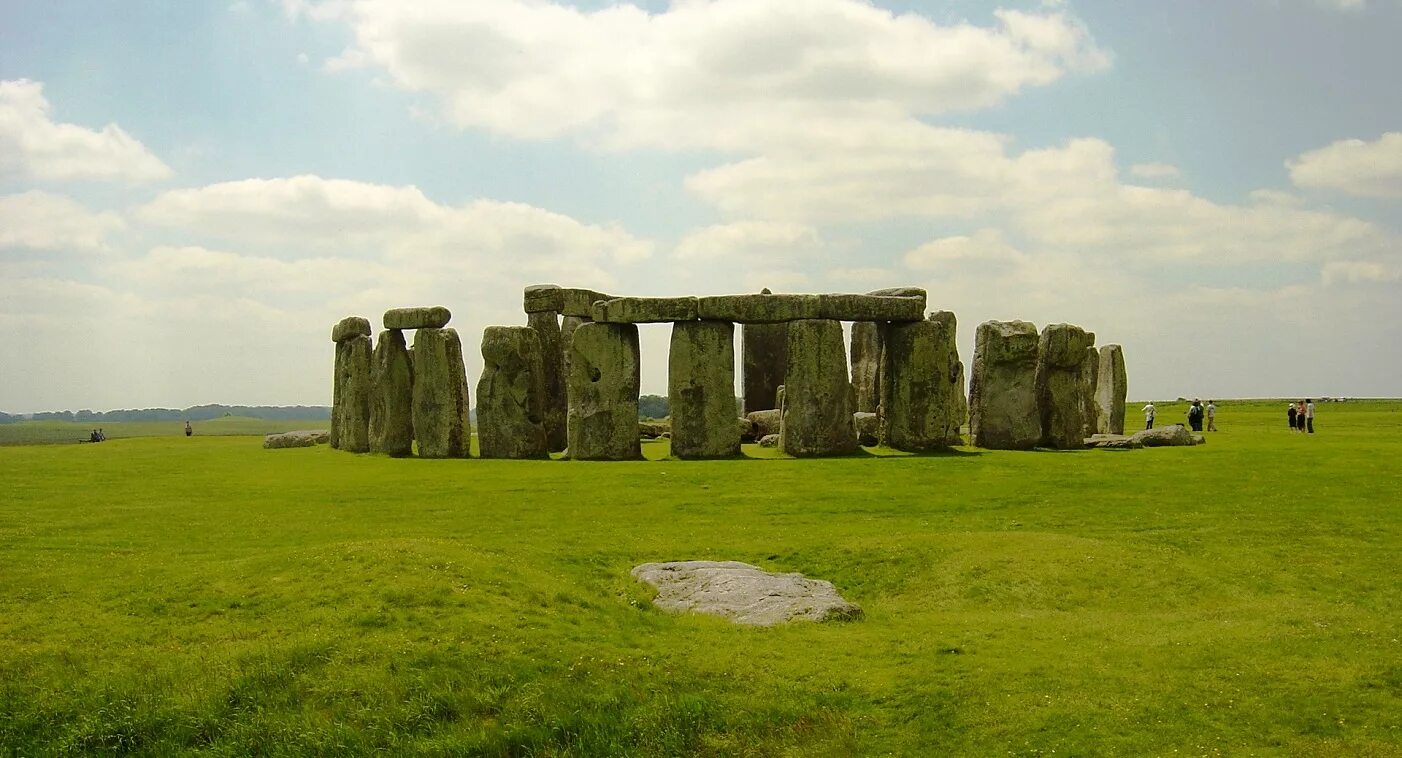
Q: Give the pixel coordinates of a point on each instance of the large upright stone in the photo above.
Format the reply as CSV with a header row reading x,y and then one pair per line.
x,y
440,395
764,355
1002,387
567,326
1090,370
603,392
1111,387
1061,385
350,406
547,327
701,390
866,365
818,402
920,380
511,394
350,326
392,396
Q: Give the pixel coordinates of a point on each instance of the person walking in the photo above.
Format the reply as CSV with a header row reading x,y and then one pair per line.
x,y
1300,416
1309,415
1290,412
188,430
1211,416
1149,411
1195,415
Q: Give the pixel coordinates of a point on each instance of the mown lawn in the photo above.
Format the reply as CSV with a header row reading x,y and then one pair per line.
x,y
69,432
169,595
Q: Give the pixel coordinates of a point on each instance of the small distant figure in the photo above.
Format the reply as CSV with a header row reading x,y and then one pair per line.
x,y
1211,415
1290,412
93,437
1309,415
1195,415
1300,417
1149,412
188,430
101,435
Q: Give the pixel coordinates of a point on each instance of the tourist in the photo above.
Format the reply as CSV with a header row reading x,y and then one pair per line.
x,y
1195,415
188,430
1211,416
1149,415
101,435
1290,412
1300,416
93,437
1309,415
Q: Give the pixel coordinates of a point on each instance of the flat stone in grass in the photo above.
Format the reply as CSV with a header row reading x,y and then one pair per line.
x,y
300,438
1175,435
743,593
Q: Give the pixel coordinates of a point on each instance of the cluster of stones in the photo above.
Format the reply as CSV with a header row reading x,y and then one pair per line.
x,y
388,398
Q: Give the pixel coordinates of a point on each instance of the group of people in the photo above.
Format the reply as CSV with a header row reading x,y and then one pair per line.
x,y
97,436
1197,413
1301,416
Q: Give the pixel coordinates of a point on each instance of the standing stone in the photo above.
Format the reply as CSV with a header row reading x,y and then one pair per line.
x,y
603,393
1061,386
567,326
440,395
701,390
1002,388
818,401
1090,370
392,396
866,360
919,385
511,394
350,410
547,327
1111,387
764,355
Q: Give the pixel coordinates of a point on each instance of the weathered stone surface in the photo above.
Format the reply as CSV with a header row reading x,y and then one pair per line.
x,y
842,307
764,356
302,438
1113,442
758,309
653,430
1199,438
866,363
543,297
958,399
511,394
1061,385
766,422
920,380
440,395
580,302
350,408
644,310
743,593
701,390
868,428
769,440
1111,387
1002,387
392,396
817,412
427,317
350,327
902,292
746,429
1090,371
547,327
603,393
567,326
1173,435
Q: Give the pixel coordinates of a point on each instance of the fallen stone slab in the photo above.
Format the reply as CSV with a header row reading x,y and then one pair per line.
x,y
430,317
300,438
769,440
743,593
1175,435
766,422
350,327
758,309
1112,442
871,308
644,310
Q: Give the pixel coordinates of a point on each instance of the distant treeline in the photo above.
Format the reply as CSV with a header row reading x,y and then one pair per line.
x,y
195,413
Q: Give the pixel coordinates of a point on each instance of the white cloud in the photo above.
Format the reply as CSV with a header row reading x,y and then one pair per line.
x,y
1155,171
730,74
1361,272
42,221
984,249
752,241
1354,167
34,146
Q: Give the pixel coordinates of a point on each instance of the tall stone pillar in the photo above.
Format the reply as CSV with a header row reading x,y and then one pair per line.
x,y
818,401
1061,387
547,327
1003,411
440,395
1111,387
764,354
701,390
866,365
350,394
604,381
511,394
1090,371
392,396
920,382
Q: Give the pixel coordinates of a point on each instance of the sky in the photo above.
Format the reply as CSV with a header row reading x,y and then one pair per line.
x,y
193,193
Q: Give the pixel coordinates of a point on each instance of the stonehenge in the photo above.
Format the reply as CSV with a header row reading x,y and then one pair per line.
x,y
568,380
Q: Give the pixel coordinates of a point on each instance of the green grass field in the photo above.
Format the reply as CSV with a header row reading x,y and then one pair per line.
x,y
168,595
68,432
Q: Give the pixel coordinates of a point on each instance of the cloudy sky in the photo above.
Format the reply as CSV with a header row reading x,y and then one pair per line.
x,y
191,193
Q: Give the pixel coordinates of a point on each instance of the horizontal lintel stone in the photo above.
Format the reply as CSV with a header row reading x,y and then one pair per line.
x,y
758,309
430,317
644,310
580,302
349,328
540,298
871,308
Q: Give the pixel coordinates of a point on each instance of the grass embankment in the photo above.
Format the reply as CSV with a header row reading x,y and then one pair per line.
x,y
72,432
162,595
